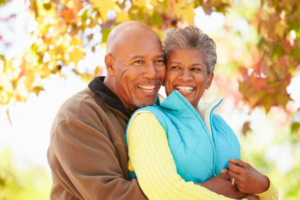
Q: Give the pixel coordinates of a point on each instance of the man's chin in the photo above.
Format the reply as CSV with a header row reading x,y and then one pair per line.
x,y
142,103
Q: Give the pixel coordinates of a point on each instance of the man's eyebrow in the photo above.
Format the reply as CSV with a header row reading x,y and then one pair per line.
x,y
137,56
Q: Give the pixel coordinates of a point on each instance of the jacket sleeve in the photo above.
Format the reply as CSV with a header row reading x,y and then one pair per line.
x,y
272,192
84,161
152,161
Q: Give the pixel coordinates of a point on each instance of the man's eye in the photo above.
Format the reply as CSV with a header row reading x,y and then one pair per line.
x,y
196,69
175,67
138,61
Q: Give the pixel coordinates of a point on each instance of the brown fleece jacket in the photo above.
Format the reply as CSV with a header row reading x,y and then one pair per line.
x,y
87,153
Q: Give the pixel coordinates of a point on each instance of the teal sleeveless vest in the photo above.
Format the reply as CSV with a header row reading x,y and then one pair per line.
x,y
198,154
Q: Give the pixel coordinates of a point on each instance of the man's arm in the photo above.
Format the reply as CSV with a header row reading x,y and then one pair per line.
x,y
89,160
155,168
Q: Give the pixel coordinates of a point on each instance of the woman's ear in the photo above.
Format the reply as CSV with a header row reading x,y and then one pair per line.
x,y
210,78
110,64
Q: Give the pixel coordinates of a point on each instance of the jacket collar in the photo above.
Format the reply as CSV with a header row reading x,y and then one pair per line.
x,y
108,97
175,101
176,104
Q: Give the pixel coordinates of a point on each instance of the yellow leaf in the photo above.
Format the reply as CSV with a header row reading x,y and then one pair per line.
x,y
5,83
185,11
147,6
280,27
75,56
76,41
122,17
22,90
104,6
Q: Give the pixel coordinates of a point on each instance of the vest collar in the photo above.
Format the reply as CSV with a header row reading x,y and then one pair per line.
x,y
175,101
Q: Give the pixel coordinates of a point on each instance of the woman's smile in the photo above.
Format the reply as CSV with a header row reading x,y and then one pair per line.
x,y
185,90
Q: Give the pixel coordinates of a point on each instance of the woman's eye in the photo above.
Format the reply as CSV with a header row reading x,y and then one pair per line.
x,y
160,61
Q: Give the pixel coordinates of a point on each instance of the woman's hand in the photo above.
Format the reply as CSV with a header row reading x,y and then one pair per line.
x,y
246,178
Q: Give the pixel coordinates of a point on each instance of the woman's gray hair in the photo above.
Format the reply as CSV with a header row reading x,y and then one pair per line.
x,y
191,37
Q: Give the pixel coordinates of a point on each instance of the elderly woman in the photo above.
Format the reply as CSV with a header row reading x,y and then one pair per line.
x,y
178,148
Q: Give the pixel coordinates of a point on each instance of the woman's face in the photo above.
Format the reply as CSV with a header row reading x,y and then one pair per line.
x,y
187,73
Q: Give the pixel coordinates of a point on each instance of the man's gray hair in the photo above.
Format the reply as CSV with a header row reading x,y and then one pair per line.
x,y
191,37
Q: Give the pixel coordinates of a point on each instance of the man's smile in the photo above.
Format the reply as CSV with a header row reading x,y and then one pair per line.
x,y
148,88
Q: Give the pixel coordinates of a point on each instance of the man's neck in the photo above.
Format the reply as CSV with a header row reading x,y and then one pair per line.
x,y
129,108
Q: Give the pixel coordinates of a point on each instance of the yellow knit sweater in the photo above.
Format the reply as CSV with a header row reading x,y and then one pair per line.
x,y
152,161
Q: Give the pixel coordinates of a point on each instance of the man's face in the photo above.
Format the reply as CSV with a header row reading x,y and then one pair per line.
x,y
139,70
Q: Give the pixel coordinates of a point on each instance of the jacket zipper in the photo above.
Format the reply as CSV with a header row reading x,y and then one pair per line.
x,y
213,141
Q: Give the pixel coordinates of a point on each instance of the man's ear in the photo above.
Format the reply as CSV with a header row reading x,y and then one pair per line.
x,y
110,64
210,78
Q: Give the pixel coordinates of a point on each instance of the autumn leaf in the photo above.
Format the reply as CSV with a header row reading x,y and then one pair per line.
x,y
75,56
104,6
280,28
246,128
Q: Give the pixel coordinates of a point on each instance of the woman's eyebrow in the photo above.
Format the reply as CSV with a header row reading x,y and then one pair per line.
x,y
196,64
175,62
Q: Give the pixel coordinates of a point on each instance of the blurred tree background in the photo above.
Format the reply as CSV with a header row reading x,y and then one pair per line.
x,y
258,46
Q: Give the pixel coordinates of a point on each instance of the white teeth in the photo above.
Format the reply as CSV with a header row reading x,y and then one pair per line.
x,y
184,88
147,88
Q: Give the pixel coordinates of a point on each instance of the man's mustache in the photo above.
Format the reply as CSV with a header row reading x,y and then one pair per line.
x,y
149,82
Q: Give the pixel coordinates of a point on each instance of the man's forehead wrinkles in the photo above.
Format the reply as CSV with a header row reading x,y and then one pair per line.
x,y
145,56
136,56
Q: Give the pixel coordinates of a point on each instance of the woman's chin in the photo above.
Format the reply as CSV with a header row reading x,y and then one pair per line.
x,y
186,93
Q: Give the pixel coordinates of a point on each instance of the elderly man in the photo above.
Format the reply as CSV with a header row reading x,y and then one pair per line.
x,y
87,152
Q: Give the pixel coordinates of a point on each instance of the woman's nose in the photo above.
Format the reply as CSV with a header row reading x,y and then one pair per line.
x,y
185,75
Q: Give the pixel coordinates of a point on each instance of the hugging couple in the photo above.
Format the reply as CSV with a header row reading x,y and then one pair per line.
x,y
118,139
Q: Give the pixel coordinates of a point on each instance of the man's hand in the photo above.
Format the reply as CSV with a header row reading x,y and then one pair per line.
x,y
246,178
251,197
222,185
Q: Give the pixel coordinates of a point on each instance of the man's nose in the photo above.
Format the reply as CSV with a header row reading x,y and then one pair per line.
x,y
185,75
150,71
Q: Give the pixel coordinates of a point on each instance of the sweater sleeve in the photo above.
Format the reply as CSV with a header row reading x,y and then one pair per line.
x,y
272,192
152,161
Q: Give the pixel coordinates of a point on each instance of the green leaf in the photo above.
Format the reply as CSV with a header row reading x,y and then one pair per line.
x,y
295,127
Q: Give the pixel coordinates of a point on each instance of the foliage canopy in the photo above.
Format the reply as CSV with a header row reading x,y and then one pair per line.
x,y
66,29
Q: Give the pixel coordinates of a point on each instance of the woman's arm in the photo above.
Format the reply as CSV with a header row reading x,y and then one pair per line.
x,y
153,163
250,181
